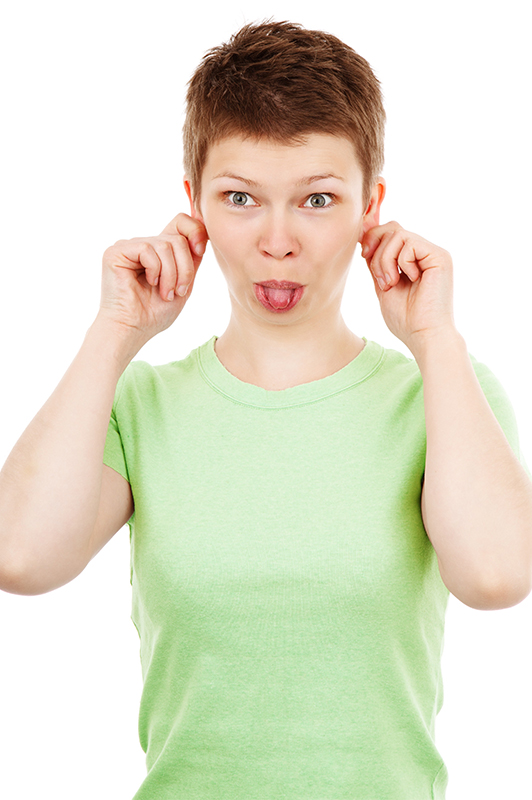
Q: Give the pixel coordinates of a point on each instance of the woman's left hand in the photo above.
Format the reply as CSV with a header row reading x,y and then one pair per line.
x,y
414,283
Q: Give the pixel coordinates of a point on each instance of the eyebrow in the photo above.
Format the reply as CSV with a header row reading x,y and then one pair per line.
x,y
302,182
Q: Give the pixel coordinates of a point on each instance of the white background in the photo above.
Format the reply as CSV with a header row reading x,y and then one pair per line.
x,y
92,101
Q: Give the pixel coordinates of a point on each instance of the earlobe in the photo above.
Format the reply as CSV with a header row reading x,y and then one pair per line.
x,y
372,216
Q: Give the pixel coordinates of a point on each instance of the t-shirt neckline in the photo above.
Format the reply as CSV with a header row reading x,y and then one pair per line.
x,y
224,382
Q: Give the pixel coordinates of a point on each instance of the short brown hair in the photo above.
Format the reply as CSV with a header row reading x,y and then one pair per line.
x,y
280,81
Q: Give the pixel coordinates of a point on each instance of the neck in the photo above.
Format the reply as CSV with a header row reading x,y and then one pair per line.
x,y
278,358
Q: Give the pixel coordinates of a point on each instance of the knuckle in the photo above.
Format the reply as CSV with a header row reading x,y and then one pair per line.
x,y
182,242
165,246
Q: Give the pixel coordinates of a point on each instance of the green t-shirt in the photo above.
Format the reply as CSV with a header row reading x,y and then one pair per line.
x,y
287,598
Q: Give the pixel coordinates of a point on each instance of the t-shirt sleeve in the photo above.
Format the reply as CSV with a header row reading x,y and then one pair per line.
x,y
501,406
113,455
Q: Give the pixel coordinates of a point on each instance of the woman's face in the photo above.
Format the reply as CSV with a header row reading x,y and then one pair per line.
x,y
278,212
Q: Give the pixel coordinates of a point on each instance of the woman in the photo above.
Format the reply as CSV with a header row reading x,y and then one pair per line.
x,y
301,500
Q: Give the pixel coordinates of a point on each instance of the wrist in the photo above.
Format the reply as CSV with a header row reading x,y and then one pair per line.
x,y
433,346
114,341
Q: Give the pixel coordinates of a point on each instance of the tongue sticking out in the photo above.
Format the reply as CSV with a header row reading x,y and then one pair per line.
x,y
278,298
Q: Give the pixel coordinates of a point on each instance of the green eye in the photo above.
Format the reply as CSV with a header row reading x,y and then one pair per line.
x,y
319,200
238,198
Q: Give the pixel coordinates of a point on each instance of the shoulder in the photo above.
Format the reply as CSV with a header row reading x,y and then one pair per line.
x,y
143,383
396,366
399,376
399,372
404,382
143,372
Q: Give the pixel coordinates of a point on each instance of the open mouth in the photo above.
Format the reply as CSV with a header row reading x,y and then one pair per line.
x,y
278,296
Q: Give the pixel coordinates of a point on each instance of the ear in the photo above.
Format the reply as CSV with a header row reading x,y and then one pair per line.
x,y
193,210
372,216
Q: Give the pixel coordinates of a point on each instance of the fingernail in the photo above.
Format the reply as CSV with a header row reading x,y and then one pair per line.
x,y
170,295
200,248
381,284
182,290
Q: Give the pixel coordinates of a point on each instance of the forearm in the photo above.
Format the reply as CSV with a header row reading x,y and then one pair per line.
x,y
50,484
477,498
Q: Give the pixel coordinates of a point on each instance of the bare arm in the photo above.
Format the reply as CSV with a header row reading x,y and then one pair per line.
x,y
477,498
59,504
50,485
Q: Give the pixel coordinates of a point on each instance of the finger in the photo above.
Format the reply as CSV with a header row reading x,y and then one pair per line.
x,y
185,265
168,274
373,237
370,242
192,229
133,254
407,261
382,264
144,254
387,266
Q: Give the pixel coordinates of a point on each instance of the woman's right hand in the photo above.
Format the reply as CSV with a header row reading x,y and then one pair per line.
x,y
142,278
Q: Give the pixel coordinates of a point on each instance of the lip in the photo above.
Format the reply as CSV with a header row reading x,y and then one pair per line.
x,y
280,284
263,300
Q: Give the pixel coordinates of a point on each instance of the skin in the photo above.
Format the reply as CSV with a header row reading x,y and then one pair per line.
x,y
476,499
279,235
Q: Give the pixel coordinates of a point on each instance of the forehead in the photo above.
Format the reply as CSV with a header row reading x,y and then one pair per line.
x,y
261,160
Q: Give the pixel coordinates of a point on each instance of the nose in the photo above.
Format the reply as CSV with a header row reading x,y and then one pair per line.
x,y
278,237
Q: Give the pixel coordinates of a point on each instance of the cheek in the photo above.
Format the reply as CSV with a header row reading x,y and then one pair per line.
x,y
340,240
226,247
229,237
227,244
216,230
219,227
